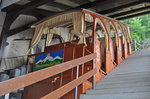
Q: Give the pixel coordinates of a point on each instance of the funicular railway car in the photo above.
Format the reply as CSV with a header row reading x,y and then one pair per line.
x,y
81,33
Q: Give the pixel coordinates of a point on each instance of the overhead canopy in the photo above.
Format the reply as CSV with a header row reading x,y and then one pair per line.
x,y
74,20
76,17
50,26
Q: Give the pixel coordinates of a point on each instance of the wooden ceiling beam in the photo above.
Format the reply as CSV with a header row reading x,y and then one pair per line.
x,y
31,5
130,12
19,29
36,12
27,7
89,5
43,12
115,9
12,15
135,15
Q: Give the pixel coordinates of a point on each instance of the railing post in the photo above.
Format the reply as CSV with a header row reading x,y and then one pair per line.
x,y
76,89
93,78
135,45
28,61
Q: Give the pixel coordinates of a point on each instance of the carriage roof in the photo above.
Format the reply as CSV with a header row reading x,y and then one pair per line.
x,y
66,17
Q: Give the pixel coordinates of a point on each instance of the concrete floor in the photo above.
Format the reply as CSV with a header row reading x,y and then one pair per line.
x,y
129,80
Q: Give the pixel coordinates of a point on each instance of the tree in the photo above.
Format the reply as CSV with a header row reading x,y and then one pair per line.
x,y
139,28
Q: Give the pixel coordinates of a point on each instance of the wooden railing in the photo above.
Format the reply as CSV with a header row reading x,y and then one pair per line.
x,y
31,78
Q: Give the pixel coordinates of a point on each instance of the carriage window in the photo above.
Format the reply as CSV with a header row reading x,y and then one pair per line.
x,y
41,45
89,28
124,31
101,34
114,39
103,38
88,24
76,37
119,31
112,31
99,31
55,41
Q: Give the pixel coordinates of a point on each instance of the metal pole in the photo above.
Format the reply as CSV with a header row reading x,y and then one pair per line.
x,y
93,78
143,46
28,61
135,44
76,89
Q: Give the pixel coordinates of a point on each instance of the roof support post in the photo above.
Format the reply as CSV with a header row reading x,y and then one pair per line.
x,y
3,36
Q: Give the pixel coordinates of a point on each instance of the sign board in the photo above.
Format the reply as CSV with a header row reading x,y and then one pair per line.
x,y
48,59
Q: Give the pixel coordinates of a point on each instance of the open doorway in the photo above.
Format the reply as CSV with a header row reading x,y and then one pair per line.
x,y
102,37
120,34
124,40
114,40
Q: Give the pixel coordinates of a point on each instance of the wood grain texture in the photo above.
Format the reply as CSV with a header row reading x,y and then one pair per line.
x,y
68,87
31,78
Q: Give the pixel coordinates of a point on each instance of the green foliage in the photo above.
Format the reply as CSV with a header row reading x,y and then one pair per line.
x,y
139,27
135,36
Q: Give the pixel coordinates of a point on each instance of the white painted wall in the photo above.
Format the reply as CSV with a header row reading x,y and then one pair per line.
x,y
19,48
10,50
16,48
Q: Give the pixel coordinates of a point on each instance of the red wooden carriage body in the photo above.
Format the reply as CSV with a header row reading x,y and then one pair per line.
x,y
116,49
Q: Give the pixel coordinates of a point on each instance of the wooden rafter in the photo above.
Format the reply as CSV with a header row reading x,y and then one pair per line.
x,y
20,29
89,5
134,15
129,12
13,14
115,9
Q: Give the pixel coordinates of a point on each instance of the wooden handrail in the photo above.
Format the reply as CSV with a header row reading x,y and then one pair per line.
x,y
31,78
68,87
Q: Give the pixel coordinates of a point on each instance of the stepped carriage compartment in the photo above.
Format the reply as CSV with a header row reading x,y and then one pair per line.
x,y
108,38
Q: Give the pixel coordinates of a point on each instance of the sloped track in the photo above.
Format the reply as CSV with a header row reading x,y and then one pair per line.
x,y
129,80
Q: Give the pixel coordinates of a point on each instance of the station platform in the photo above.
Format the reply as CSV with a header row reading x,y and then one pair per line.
x,y
129,80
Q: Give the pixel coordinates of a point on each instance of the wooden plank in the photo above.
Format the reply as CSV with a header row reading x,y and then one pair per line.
x,y
31,78
68,87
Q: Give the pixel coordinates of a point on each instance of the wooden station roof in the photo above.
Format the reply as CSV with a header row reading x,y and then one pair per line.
x,y
117,9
